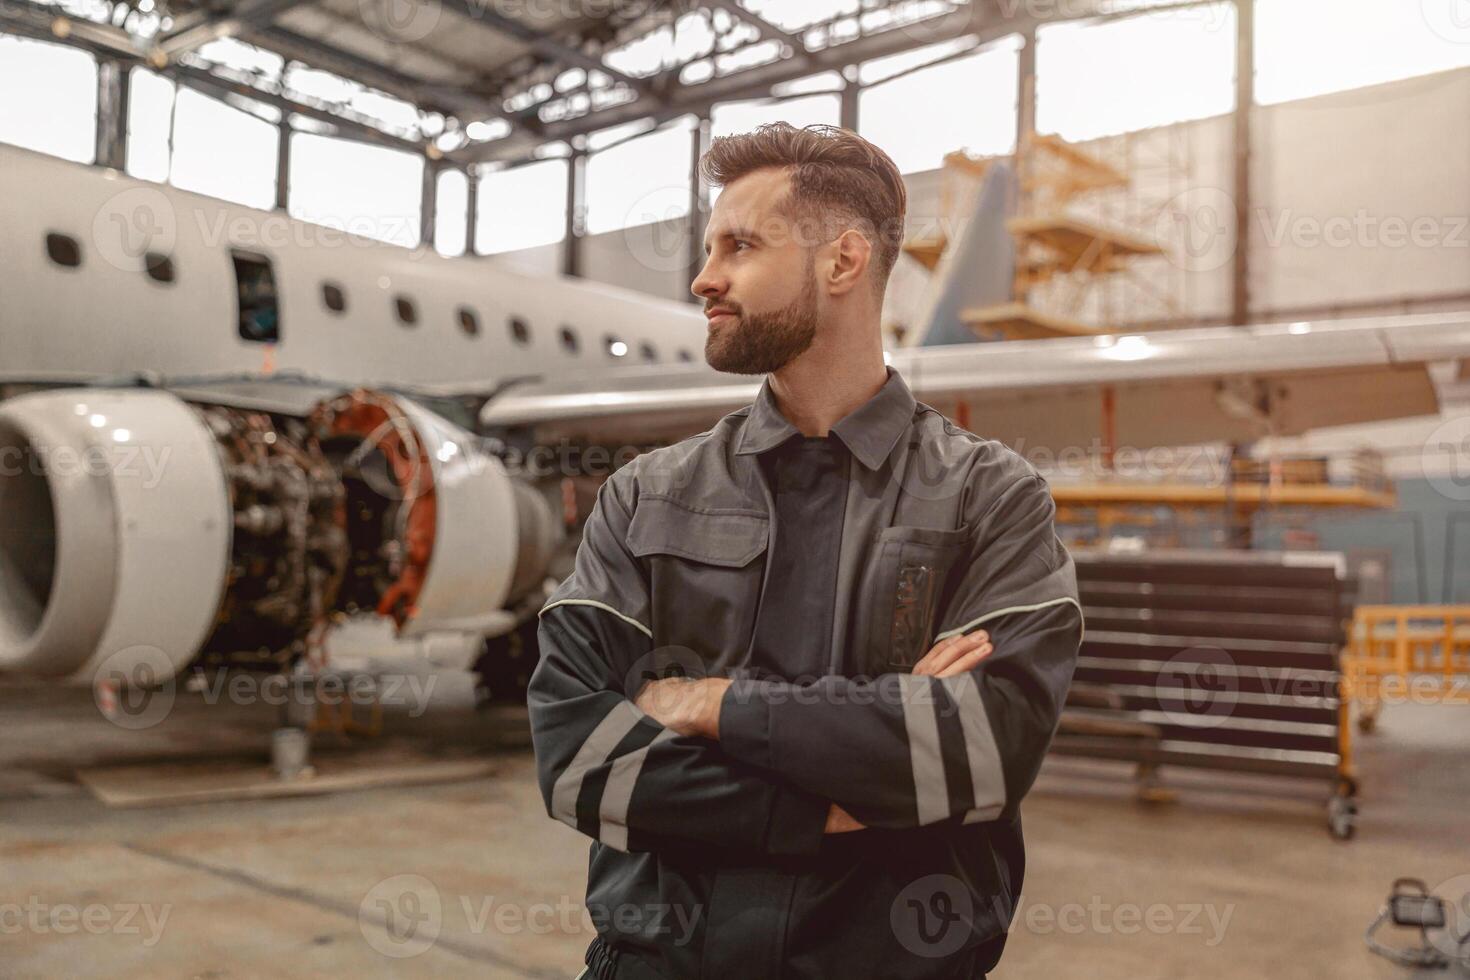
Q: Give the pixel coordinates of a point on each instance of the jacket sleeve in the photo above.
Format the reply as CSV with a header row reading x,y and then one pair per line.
x,y
903,750
608,769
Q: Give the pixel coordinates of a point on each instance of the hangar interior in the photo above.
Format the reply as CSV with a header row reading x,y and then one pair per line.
x,y
1204,263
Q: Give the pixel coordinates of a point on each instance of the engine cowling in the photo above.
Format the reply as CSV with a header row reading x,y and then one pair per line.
x,y
116,531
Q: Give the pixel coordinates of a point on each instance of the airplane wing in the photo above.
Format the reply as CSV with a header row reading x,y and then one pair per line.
x,y
1172,387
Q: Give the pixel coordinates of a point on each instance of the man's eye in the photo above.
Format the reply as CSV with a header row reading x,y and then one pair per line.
x,y
739,242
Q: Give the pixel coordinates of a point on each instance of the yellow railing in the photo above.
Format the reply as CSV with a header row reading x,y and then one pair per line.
x,y
1397,653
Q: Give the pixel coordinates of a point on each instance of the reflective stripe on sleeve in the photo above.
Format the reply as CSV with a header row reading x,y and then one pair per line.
x,y
931,793
1004,612
981,751
612,813
596,605
593,753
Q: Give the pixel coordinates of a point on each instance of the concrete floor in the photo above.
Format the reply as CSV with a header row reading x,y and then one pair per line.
x,y
1226,882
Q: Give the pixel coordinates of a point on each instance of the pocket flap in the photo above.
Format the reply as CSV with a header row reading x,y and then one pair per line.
x,y
716,536
939,538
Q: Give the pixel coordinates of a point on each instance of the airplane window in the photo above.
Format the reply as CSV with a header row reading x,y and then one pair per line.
x,y
469,322
63,250
259,304
519,330
569,339
647,349
615,347
408,314
333,297
160,267
684,355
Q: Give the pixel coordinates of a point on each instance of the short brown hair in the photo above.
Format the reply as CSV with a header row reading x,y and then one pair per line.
x,y
835,174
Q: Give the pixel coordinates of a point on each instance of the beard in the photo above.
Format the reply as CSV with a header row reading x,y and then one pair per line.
x,y
759,343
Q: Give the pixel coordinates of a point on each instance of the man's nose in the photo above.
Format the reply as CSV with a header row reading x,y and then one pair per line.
x,y
708,284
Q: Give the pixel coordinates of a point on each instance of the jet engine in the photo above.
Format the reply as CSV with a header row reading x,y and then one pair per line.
x,y
140,527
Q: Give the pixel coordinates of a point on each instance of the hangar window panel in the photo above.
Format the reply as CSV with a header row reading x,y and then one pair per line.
x,y
367,191
522,207
407,312
333,298
469,322
160,267
452,201
1151,70
889,66
687,38
520,330
729,118
247,59
1311,47
50,101
640,182
63,250
258,301
794,15
245,173
917,118
150,114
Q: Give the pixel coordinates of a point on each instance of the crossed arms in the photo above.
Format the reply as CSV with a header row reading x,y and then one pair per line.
x,y
771,767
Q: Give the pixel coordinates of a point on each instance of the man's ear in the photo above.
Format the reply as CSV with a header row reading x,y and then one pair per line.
x,y
851,252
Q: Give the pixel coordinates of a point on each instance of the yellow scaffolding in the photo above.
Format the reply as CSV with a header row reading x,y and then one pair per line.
x,y
1397,653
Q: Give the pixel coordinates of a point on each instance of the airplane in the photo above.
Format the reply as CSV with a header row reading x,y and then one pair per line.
x,y
233,508
225,434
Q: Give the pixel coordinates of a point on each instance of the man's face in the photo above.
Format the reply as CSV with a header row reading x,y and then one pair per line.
x,y
758,283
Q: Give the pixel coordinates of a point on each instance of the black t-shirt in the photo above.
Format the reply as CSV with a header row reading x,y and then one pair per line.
x,y
793,634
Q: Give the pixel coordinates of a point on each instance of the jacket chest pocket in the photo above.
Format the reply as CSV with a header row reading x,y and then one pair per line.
x,y
705,571
902,588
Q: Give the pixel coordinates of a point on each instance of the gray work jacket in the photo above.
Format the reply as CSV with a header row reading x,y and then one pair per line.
x,y
944,532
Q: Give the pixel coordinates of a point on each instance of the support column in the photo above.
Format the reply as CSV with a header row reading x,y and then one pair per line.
x,y
1025,117
571,254
429,202
1245,99
112,113
1025,89
472,207
283,164
848,113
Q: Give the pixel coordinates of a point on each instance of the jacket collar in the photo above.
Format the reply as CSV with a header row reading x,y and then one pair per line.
x,y
868,431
